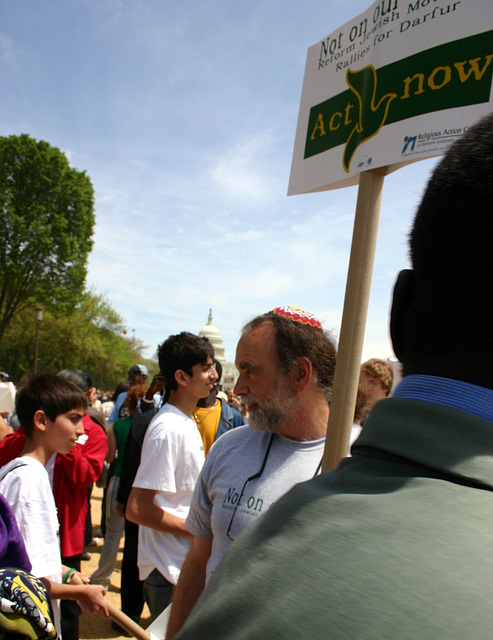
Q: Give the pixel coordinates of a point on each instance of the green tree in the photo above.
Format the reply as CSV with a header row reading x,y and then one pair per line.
x,y
47,220
90,336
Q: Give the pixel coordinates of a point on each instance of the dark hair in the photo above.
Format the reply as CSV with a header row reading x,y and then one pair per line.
x,y
295,339
49,393
121,387
219,370
182,351
78,377
450,247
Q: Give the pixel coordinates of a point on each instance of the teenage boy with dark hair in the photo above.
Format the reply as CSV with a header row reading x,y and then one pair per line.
x,y
50,411
172,456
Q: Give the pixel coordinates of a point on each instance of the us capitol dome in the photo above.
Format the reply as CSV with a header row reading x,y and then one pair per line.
x,y
213,334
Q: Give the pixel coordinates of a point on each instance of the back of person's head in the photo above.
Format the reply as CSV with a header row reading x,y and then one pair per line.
x,y
182,352
219,370
78,377
121,387
134,394
449,319
381,370
299,333
49,393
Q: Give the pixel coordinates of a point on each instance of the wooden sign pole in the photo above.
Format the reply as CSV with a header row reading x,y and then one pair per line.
x,y
354,317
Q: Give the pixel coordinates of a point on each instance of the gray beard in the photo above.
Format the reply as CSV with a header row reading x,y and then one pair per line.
x,y
272,414
270,419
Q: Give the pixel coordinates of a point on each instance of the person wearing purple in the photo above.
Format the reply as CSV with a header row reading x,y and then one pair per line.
x,y
12,549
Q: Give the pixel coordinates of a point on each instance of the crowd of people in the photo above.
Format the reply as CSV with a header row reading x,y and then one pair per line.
x,y
229,525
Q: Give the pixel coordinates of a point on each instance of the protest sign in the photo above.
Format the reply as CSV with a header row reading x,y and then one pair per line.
x,y
396,84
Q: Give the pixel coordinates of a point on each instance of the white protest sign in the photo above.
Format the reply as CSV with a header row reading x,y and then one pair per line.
x,y
396,84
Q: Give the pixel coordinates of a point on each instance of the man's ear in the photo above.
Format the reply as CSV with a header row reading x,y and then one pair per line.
x,y
402,300
181,378
303,372
39,420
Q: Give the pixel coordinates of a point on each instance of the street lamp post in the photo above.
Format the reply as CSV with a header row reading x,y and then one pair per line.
x,y
38,318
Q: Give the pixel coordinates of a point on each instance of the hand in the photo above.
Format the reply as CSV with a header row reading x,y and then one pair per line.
x,y
91,600
84,578
76,577
157,385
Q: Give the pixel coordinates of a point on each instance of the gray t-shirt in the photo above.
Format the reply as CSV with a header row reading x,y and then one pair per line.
x,y
218,503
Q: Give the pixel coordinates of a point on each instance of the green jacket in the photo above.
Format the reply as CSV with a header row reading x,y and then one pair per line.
x,y
397,543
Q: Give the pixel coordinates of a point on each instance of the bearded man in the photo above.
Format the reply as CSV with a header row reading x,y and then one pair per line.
x,y
286,363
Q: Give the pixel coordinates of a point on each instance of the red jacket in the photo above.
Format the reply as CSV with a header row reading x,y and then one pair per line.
x,y
73,473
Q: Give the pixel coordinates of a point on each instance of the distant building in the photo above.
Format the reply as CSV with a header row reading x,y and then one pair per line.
x,y
211,332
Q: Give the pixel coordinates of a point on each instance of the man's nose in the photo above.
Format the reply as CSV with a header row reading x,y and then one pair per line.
x,y
240,388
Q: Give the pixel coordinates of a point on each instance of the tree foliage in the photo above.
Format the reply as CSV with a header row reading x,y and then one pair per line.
x,y
47,220
90,336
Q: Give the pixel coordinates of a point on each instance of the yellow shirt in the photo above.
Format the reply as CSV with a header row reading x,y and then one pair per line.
x,y
207,420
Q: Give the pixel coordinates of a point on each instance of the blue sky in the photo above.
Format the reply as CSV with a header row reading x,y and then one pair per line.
x,y
183,113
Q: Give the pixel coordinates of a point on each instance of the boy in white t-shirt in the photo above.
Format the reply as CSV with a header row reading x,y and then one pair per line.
x,y
50,410
171,459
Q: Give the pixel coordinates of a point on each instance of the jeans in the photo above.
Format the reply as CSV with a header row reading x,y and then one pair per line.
x,y
157,593
114,529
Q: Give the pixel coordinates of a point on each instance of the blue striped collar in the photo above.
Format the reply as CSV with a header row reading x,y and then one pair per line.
x,y
478,401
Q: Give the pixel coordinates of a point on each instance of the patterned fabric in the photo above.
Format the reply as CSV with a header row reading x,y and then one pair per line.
x,y
24,596
298,315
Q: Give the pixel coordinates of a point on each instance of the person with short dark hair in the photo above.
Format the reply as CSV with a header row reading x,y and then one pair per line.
x,y
396,542
286,363
171,459
50,411
70,475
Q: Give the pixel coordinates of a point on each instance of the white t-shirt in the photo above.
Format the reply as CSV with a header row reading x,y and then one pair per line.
x,y
170,463
25,485
218,503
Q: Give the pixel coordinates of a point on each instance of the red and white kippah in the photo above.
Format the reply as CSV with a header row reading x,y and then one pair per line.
x,y
298,315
